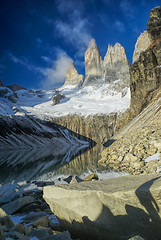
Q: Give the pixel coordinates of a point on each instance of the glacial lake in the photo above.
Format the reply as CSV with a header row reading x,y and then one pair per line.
x,y
47,164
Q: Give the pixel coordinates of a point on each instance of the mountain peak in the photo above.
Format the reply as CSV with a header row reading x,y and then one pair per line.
x,y
92,44
73,77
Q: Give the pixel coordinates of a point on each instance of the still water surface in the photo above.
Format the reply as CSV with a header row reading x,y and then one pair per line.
x,y
49,164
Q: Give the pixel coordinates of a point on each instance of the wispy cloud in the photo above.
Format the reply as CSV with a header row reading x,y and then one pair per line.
x,y
119,25
127,8
54,76
75,30
23,61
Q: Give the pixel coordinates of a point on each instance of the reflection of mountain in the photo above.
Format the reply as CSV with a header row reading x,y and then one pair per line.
x,y
28,164
82,163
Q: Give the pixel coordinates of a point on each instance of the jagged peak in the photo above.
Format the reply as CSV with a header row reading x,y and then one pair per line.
x,y
92,44
116,51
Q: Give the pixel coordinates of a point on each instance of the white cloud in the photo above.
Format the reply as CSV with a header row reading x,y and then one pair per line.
x,y
54,76
119,26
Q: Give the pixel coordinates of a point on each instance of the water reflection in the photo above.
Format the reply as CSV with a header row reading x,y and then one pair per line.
x,y
29,164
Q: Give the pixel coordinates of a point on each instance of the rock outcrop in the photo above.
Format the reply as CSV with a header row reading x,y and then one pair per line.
x,y
73,77
109,209
15,87
57,98
154,24
145,73
98,128
141,45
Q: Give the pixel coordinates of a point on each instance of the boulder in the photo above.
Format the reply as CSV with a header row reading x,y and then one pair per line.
x,y
5,219
109,209
57,98
16,205
92,176
16,235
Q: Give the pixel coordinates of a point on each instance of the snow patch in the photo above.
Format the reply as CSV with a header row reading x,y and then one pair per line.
x,y
153,157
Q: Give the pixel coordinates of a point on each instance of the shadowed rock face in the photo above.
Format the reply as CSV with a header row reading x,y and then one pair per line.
x,y
145,73
141,45
154,24
109,209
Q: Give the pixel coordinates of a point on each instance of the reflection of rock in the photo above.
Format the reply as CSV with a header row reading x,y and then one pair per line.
x,y
57,98
109,209
141,45
73,77
85,162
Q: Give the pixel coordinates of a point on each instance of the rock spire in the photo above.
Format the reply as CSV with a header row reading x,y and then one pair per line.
x,y
141,45
73,77
116,65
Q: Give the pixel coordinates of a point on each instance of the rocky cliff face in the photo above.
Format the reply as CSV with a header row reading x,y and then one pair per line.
x,y
93,64
114,69
141,45
98,128
73,77
116,65
154,24
145,73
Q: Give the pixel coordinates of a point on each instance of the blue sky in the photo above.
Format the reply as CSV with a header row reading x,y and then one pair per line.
x,y
40,39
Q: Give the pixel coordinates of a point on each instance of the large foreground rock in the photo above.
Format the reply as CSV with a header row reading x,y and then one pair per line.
x,y
117,208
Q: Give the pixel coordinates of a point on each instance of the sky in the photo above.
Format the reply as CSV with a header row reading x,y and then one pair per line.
x,y
40,39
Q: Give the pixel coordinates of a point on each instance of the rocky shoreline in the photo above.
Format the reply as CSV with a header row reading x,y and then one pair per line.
x,y
26,216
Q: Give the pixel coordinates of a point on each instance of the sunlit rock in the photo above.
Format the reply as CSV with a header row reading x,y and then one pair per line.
x,y
141,45
109,209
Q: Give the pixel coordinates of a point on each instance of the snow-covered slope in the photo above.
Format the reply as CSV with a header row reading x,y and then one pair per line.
x,y
85,101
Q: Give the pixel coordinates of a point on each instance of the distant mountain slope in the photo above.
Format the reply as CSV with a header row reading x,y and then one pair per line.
x,y
22,131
